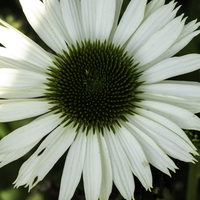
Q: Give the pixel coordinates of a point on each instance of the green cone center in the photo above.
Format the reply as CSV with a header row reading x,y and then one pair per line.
x,y
94,86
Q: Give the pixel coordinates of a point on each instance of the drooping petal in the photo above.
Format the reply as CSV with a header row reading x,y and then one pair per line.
x,y
107,175
137,159
122,175
29,134
16,79
171,67
154,154
182,89
165,138
166,123
192,106
92,170
38,18
183,118
22,109
73,167
129,22
159,42
45,157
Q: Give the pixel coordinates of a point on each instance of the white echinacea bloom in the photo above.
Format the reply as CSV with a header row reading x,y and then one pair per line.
x,y
102,95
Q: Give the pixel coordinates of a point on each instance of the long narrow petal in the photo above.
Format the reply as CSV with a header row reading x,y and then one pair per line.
x,y
152,6
171,67
16,79
92,170
122,174
192,106
73,167
182,89
150,26
22,109
137,159
130,21
166,123
159,42
183,118
105,13
107,176
45,157
71,12
29,134
154,154
36,15
165,138
22,94
53,11
22,47
187,34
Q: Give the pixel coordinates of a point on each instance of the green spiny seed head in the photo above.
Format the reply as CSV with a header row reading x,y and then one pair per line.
x,y
94,86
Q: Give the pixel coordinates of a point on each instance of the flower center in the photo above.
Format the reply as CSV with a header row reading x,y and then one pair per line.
x,y
94,86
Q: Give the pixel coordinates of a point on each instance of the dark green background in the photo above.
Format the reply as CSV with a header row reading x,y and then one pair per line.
x,y
10,11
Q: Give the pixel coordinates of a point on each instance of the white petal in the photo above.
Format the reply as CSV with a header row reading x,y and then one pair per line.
x,y
53,11
22,94
187,34
122,174
92,172
192,106
152,151
73,167
150,26
183,118
29,134
159,42
10,157
71,12
23,48
107,176
169,142
137,159
16,79
116,18
171,67
152,6
129,22
7,61
38,18
88,8
182,89
45,157
105,13
22,109
166,123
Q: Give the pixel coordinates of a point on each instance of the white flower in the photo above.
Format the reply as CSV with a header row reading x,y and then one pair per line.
x,y
103,94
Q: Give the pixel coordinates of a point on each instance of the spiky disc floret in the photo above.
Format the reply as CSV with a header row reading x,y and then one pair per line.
x,y
94,86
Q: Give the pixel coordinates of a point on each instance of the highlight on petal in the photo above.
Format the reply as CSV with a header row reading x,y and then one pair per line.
x,y
16,79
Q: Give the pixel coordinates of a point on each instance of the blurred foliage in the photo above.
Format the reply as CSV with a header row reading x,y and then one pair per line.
x,y
164,187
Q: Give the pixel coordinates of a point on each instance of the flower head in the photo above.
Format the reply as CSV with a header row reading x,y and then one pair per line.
x,y
102,94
